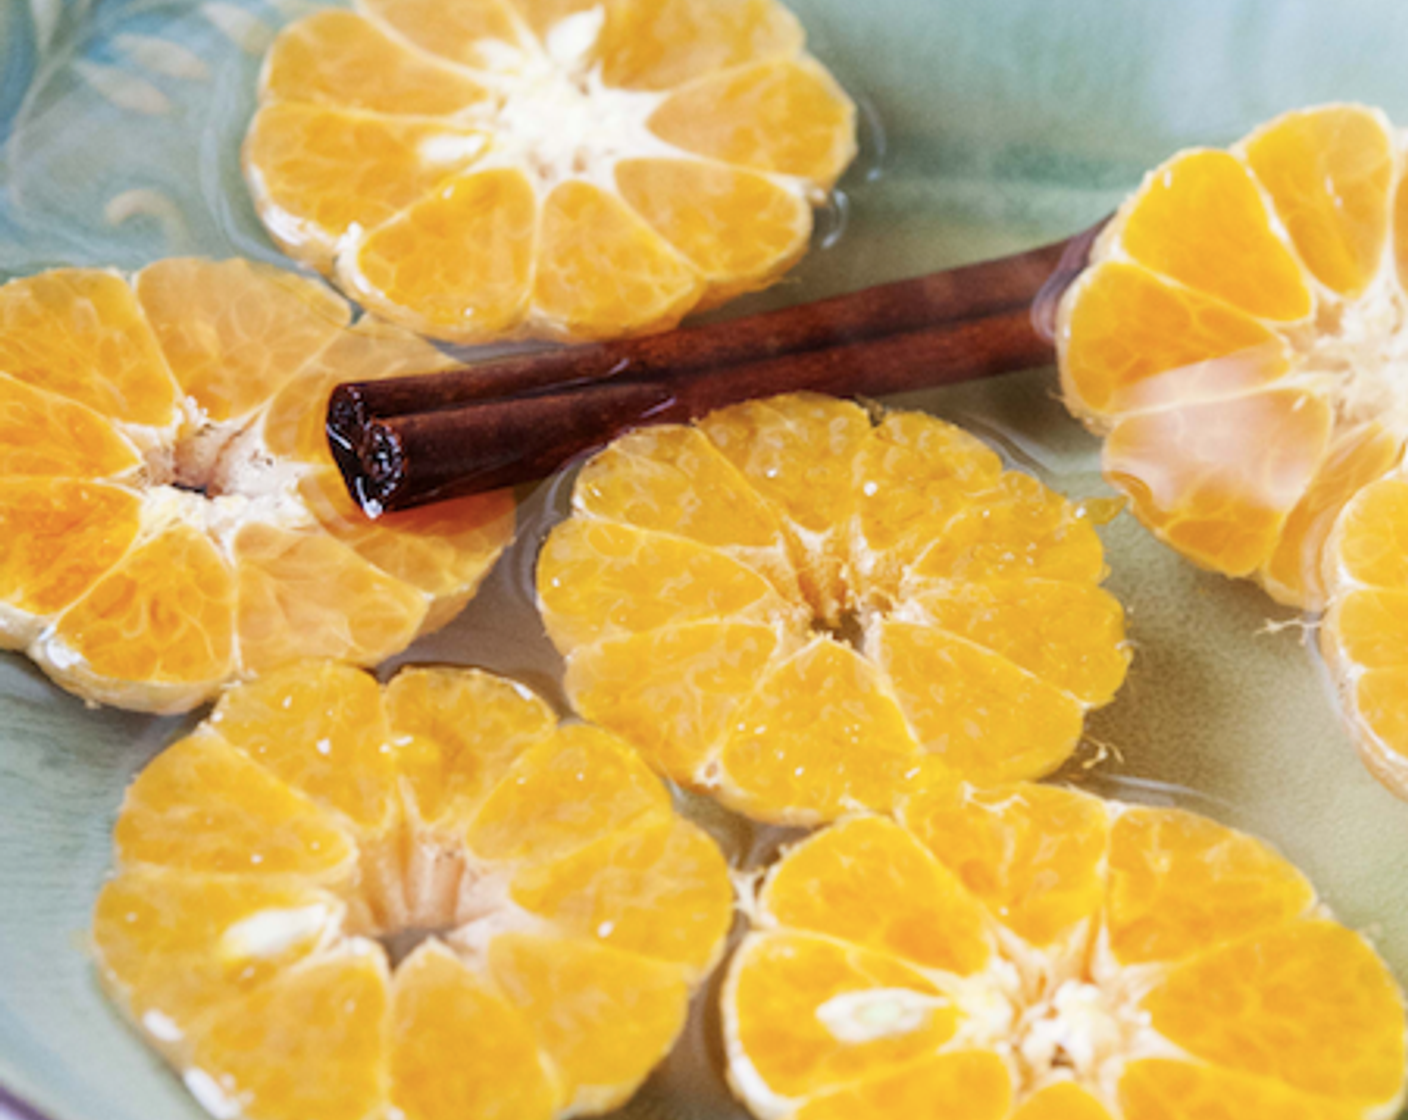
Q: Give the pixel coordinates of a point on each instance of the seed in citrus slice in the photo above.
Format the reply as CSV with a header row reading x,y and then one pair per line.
x,y
802,608
549,168
338,899
173,516
1034,953
1236,340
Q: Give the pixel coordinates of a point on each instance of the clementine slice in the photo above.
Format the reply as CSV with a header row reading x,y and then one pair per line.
x,y
1033,953
1236,341
803,608
172,514
554,168
428,900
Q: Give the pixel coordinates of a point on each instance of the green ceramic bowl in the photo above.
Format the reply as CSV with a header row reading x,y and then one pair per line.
x,y
989,126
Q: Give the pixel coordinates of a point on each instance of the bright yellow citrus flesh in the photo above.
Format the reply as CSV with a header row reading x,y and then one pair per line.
x,y
172,516
545,167
1032,953
803,609
1238,342
428,901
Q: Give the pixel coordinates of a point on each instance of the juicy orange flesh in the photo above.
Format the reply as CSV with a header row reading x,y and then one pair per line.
x,y
261,859
1234,337
794,605
173,515
1114,933
667,155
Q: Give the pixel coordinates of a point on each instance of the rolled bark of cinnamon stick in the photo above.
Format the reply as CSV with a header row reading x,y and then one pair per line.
x,y
404,442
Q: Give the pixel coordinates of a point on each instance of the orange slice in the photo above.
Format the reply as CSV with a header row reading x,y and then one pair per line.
x,y
429,900
1236,340
802,608
173,516
1033,953
546,167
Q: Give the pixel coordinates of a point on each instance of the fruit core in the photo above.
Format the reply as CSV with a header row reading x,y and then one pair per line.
x,y
553,114
1075,1027
1364,344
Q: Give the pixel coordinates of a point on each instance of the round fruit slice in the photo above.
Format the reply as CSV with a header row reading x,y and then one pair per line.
x,y
1237,340
557,168
803,608
427,901
172,516
1031,953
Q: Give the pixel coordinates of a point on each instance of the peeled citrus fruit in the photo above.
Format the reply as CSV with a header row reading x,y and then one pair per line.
x,y
1032,953
171,514
800,607
429,901
1238,341
560,168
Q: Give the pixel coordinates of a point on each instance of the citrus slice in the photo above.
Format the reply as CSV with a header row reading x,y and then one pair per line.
x,y
1237,340
1028,952
428,900
172,513
801,607
552,168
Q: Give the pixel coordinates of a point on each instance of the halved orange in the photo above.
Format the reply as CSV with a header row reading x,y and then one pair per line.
x,y
340,901
1033,953
172,516
545,167
801,607
1238,342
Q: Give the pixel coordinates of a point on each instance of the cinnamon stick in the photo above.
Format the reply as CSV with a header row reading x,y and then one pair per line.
x,y
407,441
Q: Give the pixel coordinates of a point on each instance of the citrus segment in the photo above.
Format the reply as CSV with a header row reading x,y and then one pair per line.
x,y
662,45
1226,1007
1235,256
973,1085
161,621
61,536
1328,173
204,807
79,333
1180,884
673,691
591,214
647,890
972,708
787,117
455,1039
870,883
1074,1011
825,1014
1167,1090
601,265
321,171
794,603
820,731
739,229
461,256
1235,339
456,735
233,332
158,552
47,436
303,928
1137,341
309,1042
338,58
304,594
183,946
1201,485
